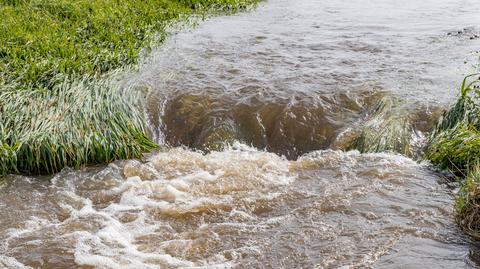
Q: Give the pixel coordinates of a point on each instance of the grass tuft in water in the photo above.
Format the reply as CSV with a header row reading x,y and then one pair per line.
x,y
455,145
467,202
395,126
76,122
455,142
386,129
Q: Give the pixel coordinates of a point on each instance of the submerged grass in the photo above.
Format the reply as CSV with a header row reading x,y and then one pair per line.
x,y
455,145
387,129
394,125
57,106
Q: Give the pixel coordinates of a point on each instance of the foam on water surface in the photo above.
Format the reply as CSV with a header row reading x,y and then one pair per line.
x,y
295,78
239,208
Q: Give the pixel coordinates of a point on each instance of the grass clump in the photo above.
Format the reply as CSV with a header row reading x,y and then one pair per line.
x,y
57,106
387,129
393,125
467,202
455,145
455,142
76,122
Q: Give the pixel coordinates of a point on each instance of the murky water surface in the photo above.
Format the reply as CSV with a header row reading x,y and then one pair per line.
x,y
296,76
298,82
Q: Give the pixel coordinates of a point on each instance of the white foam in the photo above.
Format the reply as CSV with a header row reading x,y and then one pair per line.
x,y
11,263
171,183
184,182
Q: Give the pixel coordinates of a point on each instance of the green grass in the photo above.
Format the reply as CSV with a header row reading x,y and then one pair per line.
x,y
455,142
57,106
467,202
41,39
74,123
455,145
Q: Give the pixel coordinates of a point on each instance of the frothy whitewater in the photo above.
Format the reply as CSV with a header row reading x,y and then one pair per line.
x,y
237,208
256,114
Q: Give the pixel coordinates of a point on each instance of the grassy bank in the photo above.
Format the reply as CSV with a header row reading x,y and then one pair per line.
x,y
44,38
455,145
57,106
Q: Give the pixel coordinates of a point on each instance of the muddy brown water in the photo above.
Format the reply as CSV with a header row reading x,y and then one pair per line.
x,y
273,98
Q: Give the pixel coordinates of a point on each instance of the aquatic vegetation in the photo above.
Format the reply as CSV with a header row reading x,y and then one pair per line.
x,y
57,106
386,129
393,125
455,145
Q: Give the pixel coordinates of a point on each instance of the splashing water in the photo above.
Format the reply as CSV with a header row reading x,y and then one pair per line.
x,y
272,97
236,208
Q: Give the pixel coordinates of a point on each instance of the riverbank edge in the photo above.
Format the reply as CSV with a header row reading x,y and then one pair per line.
x,y
70,117
454,145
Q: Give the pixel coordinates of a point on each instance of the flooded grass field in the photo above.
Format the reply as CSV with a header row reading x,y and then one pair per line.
x,y
268,123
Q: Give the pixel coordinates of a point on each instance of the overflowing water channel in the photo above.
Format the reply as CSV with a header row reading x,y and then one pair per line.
x,y
259,114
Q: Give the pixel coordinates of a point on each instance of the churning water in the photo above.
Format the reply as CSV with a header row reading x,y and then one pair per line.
x,y
271,97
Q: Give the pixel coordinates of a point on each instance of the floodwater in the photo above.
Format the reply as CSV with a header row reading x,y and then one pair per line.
x,y
260,114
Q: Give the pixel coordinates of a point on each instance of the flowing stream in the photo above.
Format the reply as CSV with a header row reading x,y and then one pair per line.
x,y
260,114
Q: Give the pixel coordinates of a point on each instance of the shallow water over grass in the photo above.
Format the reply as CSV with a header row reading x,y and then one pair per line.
x,y
295,78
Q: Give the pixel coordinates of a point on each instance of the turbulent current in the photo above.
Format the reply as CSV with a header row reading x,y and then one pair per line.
x,y
262,118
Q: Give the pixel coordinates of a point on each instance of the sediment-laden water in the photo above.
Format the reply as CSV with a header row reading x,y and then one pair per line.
x,y
273,98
